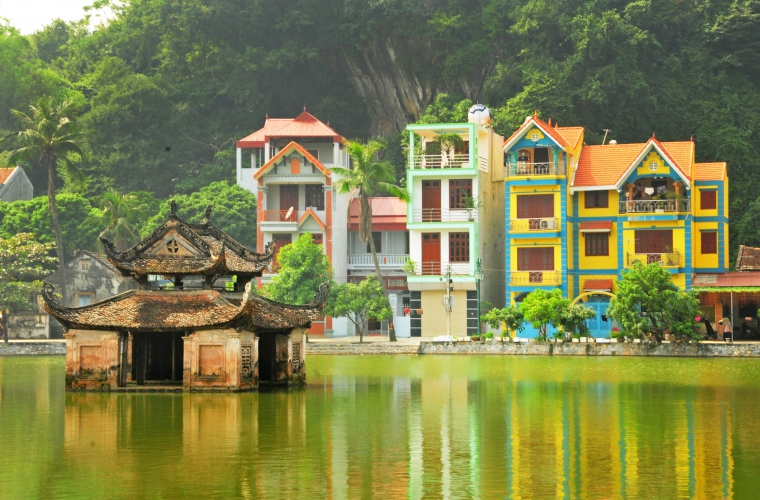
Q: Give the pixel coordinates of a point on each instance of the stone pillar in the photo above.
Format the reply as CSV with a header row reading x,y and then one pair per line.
x,y
234,360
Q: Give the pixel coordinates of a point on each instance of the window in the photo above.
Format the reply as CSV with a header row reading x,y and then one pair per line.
x,y
459,247
708,200
653,166
535,206
654,241
377,236
315,197
535,136
84,265
597,244
597,199
535,259
316,238
459,191
709,242
84,299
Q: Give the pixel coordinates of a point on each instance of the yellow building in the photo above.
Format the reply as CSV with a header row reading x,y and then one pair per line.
x,y
578,215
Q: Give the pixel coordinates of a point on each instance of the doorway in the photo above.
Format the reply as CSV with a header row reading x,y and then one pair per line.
x,y
157,358
267,357
431,201
431,254
288,201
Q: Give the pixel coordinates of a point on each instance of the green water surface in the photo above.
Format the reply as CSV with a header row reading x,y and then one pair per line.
x,y
396,427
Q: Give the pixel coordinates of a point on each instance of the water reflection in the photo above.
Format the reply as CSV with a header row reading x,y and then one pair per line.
x,y
393,427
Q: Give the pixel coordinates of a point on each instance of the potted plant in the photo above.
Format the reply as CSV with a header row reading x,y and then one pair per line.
x,y
410,267
470,204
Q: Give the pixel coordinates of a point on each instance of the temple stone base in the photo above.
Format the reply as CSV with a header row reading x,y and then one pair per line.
x,y
220,359
92,360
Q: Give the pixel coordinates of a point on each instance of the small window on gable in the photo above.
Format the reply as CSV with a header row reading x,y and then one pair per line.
x,y
84,265
535,136
653,166
708,200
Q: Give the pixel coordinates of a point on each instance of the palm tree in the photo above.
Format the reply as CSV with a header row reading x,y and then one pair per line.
x,y
119,214
51,136
366,179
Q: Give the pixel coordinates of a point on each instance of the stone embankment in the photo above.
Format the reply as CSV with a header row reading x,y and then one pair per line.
x,y
32,348
332,348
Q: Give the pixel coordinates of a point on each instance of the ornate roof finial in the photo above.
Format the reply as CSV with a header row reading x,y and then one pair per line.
x,y
304,108
173,206
556,124
550,122
653,136
692,138
207,212
535,113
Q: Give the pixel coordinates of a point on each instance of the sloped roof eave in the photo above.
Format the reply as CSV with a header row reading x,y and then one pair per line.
x,y
546,130
287,149
652,143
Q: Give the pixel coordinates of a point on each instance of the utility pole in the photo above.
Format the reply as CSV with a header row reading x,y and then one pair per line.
x,y
606,131
447,300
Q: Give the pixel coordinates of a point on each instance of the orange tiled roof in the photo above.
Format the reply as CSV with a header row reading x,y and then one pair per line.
x,y
388,214
571,134
548,129
597,285
604,165
714,171
5,173
595,225
304,125
288,149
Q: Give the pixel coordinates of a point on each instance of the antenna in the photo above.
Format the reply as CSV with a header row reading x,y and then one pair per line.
x,y
606,131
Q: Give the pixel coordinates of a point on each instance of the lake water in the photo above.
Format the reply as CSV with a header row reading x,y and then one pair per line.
x,y
394,427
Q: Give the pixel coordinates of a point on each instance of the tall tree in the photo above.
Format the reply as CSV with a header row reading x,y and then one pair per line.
x,y
119,215
50,135
359,303
303,268
369,177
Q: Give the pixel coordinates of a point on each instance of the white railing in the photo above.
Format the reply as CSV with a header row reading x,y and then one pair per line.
x,y
384,259
654,206
536,224
523,169
535,277
441,161
438,215
435,268
672,259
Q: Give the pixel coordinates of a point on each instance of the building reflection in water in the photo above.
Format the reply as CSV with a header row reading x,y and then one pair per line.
x,y
443,435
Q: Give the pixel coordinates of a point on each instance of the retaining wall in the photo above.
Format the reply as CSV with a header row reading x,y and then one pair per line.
x,y
31,348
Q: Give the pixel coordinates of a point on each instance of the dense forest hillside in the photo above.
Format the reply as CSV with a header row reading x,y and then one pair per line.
x,y
166,87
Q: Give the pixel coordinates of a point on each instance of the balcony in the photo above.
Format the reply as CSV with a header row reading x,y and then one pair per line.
x,y
655,206
439,215
534,278
386,261
672,259
530,225
441,161
435,268
525,169
279,216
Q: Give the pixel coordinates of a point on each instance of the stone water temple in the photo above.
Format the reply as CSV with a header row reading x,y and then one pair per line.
x,y
180,328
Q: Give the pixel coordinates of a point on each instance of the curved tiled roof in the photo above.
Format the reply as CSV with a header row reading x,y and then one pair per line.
x,y
182,310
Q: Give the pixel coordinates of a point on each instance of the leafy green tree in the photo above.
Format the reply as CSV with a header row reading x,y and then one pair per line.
x,y
367,178
23,262
33,216
233,211
359,303
573,319
446,109
543,308
507,318
303,268
119,216
52,136
647,301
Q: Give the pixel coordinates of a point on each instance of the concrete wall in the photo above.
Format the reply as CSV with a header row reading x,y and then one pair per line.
x,y
213,359
92,360
29,326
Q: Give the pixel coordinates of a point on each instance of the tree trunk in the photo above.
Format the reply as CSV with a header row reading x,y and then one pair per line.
x,y
5,325
54,213
367,212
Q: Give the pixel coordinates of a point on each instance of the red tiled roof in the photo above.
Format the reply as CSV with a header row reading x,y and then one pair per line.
x,y
304,125
604,165
571,134
596,225
5,173
748,258
545,127
597,285
732,279
286,150
388,214
715,171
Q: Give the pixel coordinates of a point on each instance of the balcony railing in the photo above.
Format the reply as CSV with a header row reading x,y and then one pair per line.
x,y
672,259
438,215
535,277
384,259
654,206
524,169
442,161
435,268
279,216
541,224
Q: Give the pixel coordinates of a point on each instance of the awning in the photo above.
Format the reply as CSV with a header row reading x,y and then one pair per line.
x,y
597,226
597,286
